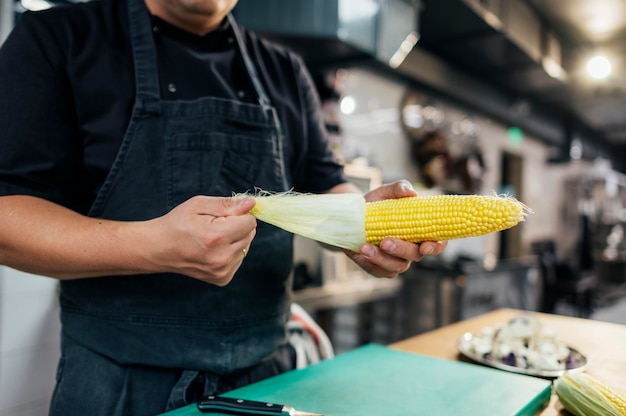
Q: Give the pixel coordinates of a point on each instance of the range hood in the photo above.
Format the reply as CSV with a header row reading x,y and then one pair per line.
x,y
511,63
333,31
493,56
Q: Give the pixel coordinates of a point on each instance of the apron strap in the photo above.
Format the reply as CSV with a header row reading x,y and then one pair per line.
x,y
144,56
144,53
264,100
193,384
191,387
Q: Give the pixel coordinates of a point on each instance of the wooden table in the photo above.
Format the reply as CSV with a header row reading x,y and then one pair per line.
x,y
603,343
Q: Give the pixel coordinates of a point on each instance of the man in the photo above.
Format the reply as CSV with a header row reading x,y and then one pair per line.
x,y
128,126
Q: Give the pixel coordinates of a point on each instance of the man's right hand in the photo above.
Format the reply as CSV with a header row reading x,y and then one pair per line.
x,y
205,238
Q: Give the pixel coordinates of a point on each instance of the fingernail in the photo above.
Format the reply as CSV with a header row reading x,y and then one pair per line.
x,y
244,201
389,246
368,251
428,250
407,185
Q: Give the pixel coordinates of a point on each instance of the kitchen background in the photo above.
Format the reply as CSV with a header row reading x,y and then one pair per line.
x,y
403,99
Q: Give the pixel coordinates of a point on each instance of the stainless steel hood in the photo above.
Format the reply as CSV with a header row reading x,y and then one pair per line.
x,y
326,32
500,57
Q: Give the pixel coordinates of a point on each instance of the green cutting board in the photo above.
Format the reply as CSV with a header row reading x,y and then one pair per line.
x,y
374,380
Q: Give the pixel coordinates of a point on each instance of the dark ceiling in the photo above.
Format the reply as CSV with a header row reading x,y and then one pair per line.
x,y
531,54
523,61
515,44
587,27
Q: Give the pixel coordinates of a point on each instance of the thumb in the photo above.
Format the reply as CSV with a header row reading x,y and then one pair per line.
x,y
238,206
398,189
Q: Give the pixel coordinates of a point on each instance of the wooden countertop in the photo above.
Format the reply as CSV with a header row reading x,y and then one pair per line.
x,y
603,343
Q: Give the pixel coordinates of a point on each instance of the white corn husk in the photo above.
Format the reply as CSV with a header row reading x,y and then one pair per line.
x,y
581,396
334,219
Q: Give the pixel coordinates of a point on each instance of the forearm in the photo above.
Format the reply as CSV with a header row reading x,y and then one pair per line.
x,y
38,236
204,238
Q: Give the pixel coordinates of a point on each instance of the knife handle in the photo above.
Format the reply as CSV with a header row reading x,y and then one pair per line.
x,y
240,406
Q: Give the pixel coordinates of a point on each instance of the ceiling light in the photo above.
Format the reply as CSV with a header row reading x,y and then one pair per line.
x,y
347,105
553,69
35,5
599,67
405,48
358,11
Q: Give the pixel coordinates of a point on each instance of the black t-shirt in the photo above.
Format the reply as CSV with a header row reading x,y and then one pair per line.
x,y
67,90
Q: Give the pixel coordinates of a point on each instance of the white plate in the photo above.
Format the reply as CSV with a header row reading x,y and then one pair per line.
x,y
577,362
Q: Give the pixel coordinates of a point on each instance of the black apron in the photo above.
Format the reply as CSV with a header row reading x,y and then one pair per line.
x,y
172,151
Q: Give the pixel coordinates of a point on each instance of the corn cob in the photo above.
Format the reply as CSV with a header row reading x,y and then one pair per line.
x,y
441,217
345,220
584,395
617,399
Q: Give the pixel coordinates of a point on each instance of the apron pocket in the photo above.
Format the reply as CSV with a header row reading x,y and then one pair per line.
x,y
215,164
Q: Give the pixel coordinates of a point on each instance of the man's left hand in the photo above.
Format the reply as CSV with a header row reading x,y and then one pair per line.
x,y
393,256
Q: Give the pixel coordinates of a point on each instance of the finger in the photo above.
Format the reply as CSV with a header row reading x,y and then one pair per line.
x,y
223,207
366,265
432,248
398,189
239,229
402,189
378,258
400,248
240,206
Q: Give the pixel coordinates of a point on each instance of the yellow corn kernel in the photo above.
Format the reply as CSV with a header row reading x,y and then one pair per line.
x,y
441,217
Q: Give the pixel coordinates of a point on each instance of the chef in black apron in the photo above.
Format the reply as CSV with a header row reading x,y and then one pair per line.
x,y
144,344
188,148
